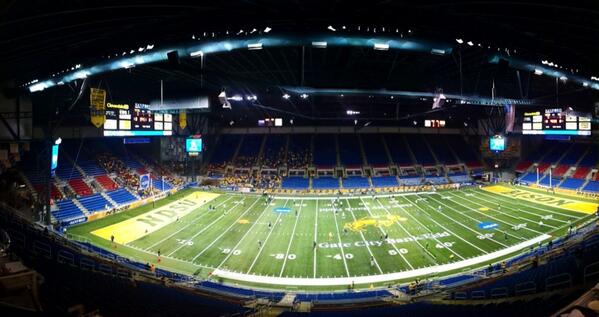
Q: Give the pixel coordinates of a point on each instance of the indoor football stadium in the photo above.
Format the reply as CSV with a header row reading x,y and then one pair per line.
x,y
265,158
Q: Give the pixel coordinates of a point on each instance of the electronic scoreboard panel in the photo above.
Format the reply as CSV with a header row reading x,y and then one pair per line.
x,y
556,122
139,120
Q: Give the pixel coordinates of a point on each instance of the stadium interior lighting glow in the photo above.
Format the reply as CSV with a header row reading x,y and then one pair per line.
x,y
240,31
352,112
127,65
460,41
58,141
251,97
267,29
236,98
381,46
304,96
196,54
563,78
141,49
319,44
470,43
253,31
255,46
585,84
286,96
150,46
538,71
331,28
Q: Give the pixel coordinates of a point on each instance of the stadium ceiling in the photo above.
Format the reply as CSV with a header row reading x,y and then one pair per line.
x,y
46,39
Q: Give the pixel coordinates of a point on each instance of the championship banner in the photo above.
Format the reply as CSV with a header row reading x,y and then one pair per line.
x,y
97,109
182,119
144,181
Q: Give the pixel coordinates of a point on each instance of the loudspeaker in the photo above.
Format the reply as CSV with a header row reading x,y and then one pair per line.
x,y
173,57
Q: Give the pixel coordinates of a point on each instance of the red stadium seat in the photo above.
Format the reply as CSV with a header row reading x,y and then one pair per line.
x,y
560,170
106,182
581,172
80,187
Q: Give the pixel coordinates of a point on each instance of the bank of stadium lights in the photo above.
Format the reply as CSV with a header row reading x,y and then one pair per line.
x,y
286,96
563,78
254,30
594,78
381,46
470,43
538,72
331,28
254,46
196,54
352,112
304,96
319,44
267,29
251,97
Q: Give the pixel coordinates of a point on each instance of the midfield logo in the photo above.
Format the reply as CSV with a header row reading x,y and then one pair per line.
x,y
376,221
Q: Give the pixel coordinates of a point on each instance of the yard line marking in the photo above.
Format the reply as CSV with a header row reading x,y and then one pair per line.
x,y
537,208
227,230
427,228
385,233
185,227
444,228
168,257
461,224
245,234
364,239
507,214
196,234
265,240
291,240
487,215
340,243
315,236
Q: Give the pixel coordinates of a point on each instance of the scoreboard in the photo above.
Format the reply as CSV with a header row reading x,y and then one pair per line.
x,y
139,120
556,122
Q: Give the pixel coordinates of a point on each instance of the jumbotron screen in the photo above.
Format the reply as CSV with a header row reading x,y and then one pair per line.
x,y
139,120
556,122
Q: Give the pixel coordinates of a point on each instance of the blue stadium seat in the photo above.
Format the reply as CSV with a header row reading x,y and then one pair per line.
x,y
384,181
325,182
66,210
356,182
90,168
420,150
121,196
572,183
436,180
158,184
325,152
349,149
591,187
295,182
410,181
95,202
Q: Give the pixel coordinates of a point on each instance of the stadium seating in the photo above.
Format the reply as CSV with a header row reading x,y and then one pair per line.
x,y
560,170
160,185
441,149
248,152
225,148
459,178
356,182
299,153
410,181
91,168
420,150
436,180
591,158
67,172
325,151
546,181
591,187
95,202
121,196
523,166
349,150
398,150
66,210
295,182
581,172
529,178
543,167
325,182
374,149
274,150
555,153
54,192
571,183
80,187
574,154
384,181
106,182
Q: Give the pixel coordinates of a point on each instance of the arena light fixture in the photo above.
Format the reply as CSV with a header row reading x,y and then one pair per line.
x,y
304,96
381,46
196,54
319,44
236,98
251,97
585,84
460,41
470,43
563,78
331,28
254,46
150,46
538,72
267,29
286,96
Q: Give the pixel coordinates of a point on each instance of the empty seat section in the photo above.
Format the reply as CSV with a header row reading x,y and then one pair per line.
x,y
441,149
574,154
121,196
160,185
294,182
591,158
90,168
66,210
356,182
523,166
80,187
374,150
591,187
572,183
349,150
555,153
384,181
325,182
420,150
225,148
398,150
581,172
325,153
410,181
560,170
248,152
95,202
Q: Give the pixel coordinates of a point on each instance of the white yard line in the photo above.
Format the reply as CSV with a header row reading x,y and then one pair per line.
x,y
530,207
227,230
445,228
186,226
265,240
168,257
355,196
486,215
243,237
292,236
364,239
425,227
504,213
369,279
385,233
315,236
340,242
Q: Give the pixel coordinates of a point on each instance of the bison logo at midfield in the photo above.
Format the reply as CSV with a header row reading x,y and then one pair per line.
x,y
375,221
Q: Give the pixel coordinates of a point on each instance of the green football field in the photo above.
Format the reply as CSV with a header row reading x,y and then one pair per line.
x,y
326,243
